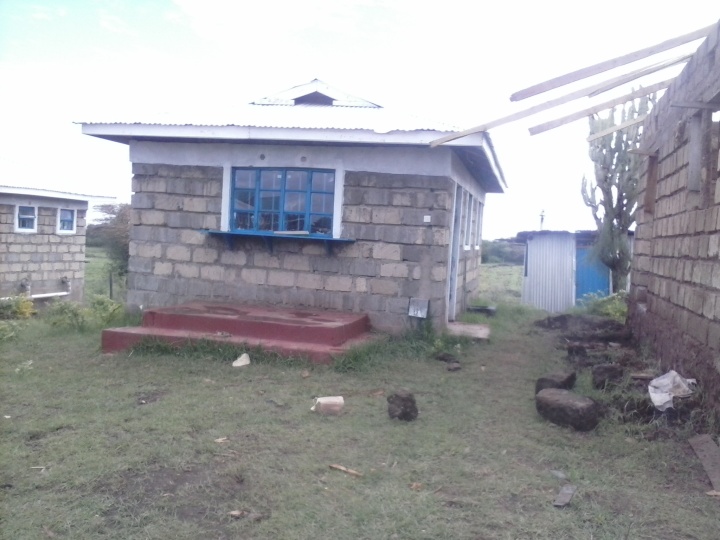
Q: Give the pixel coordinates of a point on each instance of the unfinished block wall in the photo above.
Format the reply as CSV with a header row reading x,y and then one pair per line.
x,y
45,261
396,254
675,290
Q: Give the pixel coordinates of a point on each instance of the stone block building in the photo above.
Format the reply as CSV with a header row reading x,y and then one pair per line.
x,y
310,198
42,243
675,290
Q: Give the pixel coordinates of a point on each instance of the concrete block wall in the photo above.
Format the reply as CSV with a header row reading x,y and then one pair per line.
x,y
396,254
675,290
43,258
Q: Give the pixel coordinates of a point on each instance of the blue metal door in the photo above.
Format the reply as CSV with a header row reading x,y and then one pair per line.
x,y
591,275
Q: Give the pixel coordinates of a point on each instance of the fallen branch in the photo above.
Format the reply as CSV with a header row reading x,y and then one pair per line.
x,y
346,470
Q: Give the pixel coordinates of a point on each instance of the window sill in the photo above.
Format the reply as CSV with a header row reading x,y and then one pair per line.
x,y
269,237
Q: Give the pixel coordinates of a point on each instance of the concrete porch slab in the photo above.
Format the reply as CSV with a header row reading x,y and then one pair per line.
x,y
319,335
480,332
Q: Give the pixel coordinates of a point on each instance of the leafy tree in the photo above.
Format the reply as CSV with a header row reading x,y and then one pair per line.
x,y
612,198
113,233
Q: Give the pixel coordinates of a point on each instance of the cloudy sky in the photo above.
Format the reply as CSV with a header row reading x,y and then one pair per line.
x,y
455,61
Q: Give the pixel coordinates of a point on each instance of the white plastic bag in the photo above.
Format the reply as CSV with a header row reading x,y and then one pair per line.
x,y
664,388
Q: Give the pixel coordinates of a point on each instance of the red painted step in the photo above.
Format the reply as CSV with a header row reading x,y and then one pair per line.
x,y
317,334
307,326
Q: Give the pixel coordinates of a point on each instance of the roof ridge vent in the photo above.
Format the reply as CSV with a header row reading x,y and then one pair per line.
x,y
316,92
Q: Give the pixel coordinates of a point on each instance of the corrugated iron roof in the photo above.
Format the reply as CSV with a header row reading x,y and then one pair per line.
x,y
50,193
288,109
377,119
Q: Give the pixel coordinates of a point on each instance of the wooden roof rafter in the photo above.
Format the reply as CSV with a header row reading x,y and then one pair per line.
x,y
641,92
601,67
591,91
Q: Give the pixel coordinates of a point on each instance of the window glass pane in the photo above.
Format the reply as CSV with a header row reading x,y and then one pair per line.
x,y
244,220
297,180
269,201
271,180
67,220
323,181
26,217
321,203
321,224
244,200
295,202
245,179
269,221
294,222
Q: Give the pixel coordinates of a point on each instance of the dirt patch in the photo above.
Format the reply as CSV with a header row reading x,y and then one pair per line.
x,y
146,398
202,495
587,328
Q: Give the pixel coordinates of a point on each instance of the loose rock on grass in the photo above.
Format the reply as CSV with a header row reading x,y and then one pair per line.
x,y
559,379
401,405
566,408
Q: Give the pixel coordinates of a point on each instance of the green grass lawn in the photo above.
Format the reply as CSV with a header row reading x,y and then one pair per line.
x,y
97,275
500,284
157,446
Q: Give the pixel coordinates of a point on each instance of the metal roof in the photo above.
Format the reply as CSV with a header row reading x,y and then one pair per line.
x,y
310,113
377,119
288,109
50,194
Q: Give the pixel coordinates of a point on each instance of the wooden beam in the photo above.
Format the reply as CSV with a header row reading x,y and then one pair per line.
x,y
622,79
583,73
709,454
613,129
696,105
589,91
552,124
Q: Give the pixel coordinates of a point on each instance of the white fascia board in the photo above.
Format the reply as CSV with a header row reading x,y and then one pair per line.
x,y
50,194
126,132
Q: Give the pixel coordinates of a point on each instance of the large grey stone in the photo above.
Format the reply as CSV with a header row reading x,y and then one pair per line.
x,y
566,408
559,379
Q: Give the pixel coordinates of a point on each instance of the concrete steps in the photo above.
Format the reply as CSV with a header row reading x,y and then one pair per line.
x,y
317,334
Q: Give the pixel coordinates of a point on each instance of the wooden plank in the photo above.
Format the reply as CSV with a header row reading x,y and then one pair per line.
x,y
600,67
552,124
638,73
564,496
696,105
709,454
613,129
589,91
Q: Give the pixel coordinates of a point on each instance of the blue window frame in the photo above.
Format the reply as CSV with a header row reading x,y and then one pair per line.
x,y
294,201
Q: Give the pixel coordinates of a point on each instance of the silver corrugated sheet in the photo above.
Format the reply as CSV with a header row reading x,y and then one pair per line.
x,y
375,119
549,282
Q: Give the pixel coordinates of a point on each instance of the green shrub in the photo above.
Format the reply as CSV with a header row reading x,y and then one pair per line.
x,y
613,306
100,312
9,330
64,314
16,307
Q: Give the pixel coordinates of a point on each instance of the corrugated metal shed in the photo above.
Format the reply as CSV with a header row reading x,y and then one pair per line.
x,y
560,269
549,278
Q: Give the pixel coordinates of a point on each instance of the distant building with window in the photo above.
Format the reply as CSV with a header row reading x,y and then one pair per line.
x,y
309,198
42,243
